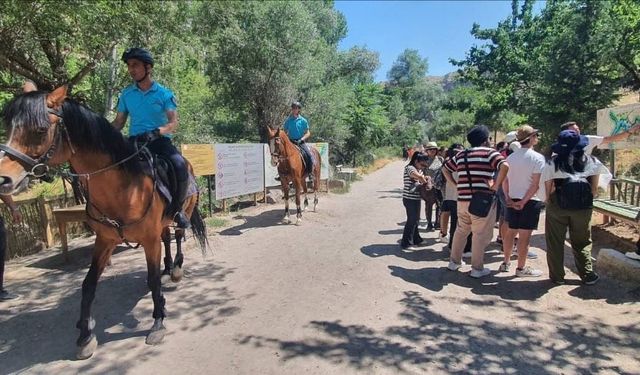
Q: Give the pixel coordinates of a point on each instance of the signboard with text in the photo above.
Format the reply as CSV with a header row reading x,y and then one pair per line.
x,y
240,169
201,157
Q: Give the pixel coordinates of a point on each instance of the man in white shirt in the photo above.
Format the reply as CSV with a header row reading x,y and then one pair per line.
x,y
596,140
523,205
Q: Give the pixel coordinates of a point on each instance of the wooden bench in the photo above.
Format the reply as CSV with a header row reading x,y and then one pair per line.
x,y
64,216
623,203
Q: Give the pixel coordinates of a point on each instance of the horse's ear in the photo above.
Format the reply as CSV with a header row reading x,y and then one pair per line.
x,y
57,97
29,86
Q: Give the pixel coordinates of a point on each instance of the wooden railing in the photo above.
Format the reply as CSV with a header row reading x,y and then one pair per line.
x,y
38,229
625,190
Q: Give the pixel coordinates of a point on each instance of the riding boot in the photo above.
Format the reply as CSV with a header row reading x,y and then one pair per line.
x,y
180,218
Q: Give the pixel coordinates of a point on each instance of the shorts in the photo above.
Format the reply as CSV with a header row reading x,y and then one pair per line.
x,y
449,206
527,218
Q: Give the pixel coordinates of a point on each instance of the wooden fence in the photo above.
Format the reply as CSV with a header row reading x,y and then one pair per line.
x,y
38,229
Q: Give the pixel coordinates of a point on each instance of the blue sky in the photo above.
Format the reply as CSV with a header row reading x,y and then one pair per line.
x,y
439,30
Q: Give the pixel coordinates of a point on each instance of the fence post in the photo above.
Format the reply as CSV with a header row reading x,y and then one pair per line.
x,y
46,222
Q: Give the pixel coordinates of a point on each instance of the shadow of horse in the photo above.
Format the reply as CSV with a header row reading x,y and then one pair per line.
x,y
263,220
40,334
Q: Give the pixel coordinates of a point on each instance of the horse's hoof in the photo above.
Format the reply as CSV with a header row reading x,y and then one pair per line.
x,y
164,279
299,222
286,220
86,350
176,274
155,336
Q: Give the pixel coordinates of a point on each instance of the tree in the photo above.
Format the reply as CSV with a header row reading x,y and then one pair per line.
x,y
367,120
265,54
549,68
61,42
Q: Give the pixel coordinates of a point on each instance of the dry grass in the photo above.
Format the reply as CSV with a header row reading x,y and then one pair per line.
x,y
377,164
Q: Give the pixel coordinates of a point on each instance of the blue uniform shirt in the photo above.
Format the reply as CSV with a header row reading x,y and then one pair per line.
x,y
147,110
296,127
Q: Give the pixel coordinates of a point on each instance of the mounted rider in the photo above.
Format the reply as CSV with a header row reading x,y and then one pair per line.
x,y
297,129
154,119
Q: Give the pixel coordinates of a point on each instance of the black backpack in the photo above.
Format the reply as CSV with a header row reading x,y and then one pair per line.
x,y
574,193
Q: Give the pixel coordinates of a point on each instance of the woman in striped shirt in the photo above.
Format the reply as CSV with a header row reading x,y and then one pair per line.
x,y
411,199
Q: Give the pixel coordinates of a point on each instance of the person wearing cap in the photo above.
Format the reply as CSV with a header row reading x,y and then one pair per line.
x,y
523,205
297,129
5,295
594,141
434,166
152,109
570,161
482,161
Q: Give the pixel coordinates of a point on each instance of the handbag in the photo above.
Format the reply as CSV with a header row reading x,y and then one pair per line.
x,y
481,201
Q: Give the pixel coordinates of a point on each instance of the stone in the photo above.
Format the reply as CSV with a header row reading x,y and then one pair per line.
x,y
617,265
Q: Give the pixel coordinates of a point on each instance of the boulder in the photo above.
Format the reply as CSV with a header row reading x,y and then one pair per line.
x,y
617,265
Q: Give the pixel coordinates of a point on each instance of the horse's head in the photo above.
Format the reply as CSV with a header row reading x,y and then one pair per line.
x,y
33,121
275,145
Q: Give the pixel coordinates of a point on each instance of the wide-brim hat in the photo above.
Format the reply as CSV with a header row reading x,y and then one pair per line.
x,y
431,146
568,141
525,132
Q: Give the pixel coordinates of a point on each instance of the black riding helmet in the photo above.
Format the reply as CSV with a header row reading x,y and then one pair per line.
x,y
139,54
296,104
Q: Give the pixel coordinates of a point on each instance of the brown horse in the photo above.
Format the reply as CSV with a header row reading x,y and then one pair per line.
x,y
291,169
123,203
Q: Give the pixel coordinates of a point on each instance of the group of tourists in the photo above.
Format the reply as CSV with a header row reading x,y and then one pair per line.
x,y
511,183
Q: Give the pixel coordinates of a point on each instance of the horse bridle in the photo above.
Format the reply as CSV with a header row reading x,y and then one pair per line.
x,y
38,167
277,154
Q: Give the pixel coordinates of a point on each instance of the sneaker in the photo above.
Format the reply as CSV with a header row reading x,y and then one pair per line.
x,y
453,266
6,296
476,274
466,255
633,255
528,272
444,238
591,278
505,267
408,247
557,282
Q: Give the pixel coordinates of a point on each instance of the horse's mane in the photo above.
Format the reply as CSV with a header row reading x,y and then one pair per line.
x,y
90,132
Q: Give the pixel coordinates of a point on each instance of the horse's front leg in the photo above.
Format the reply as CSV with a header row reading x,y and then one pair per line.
x,y
285,191
87,342
176,273
152,252
299,184
168,260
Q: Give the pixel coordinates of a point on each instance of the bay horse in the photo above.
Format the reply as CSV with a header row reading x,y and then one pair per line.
x,y
291,169
123,204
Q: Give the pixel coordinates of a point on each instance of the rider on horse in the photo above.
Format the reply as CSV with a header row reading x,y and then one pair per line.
x,y
154,119
297,129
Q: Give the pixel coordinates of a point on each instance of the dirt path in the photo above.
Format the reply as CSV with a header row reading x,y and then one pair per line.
x,y
333,296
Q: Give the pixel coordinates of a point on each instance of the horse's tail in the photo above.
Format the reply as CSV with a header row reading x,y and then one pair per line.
x,y
199,230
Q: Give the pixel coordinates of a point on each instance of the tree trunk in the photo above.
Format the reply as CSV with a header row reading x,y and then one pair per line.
x,y
108,102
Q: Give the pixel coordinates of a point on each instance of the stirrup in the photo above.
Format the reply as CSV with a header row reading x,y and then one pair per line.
x,y
181,220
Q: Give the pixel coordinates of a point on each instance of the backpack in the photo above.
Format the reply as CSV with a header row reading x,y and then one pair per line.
x,y
574,193
439,181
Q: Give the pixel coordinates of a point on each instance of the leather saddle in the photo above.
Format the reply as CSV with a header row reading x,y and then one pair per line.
x,y
307,159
